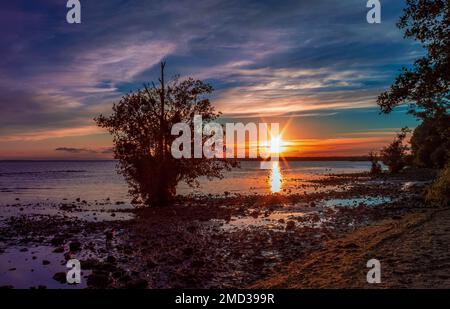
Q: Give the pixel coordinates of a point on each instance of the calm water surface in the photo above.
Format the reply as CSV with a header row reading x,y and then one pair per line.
x,y
53,181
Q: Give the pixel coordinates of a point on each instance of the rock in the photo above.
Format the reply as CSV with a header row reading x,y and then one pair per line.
x,y
108,267
188,251
117,274
198,263
128,251
151,263
74,246
137,284
23,250
89,264
111,259
67,256
45,262
98,280
109,235
254,214
57,241
350,245
290,225
60,277
258,261
59,250
125,278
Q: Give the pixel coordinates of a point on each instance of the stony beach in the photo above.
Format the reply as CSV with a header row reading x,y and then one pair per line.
x,y
221,241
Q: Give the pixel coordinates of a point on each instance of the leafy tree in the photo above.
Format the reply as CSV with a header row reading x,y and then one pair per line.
x,y
425,86
438,193
375,168
141,128
394,156
430,142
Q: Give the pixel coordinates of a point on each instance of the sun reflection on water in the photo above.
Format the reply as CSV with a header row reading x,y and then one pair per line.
x,y
275,178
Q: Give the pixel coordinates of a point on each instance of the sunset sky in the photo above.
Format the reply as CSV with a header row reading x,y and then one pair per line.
x,y
314,66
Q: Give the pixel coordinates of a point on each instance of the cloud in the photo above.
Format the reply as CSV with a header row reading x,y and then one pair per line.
x,y
74,150
39,135
107,150
262,56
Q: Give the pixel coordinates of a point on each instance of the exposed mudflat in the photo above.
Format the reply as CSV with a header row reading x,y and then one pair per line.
x,y
225,240
413,252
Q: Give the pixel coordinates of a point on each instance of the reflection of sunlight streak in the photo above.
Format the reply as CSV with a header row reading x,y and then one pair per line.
x,y
275,144
275,178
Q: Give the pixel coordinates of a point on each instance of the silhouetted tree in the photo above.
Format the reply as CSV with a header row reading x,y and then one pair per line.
x,y
426,86
375,168
430,142
394,156
141,128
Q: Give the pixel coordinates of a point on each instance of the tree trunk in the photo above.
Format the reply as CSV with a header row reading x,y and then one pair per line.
x,y
161,119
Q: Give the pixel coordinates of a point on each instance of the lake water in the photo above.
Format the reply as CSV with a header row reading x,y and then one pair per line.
x,y
53,181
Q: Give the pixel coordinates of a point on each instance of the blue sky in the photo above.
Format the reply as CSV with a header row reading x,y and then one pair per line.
x,y
316,64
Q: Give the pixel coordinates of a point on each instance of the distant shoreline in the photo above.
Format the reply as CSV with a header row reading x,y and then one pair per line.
x,y
350,158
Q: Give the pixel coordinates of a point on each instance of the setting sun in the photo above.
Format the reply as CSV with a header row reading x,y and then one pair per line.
x,y
276,144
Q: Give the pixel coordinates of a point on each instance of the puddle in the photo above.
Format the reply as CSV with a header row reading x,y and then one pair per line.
x,y
367,201
20,270
410,184
277,220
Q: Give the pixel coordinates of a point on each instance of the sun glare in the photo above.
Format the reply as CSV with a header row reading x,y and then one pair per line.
x,y
276,144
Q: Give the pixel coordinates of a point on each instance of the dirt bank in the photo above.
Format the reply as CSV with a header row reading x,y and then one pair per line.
x,y
413,251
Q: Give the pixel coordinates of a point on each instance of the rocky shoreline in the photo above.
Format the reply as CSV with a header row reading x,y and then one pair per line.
x,y
202,241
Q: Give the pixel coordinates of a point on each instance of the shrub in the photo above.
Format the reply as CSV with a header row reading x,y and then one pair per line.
x,y
141,125
394,156
375,169
430,142
439,192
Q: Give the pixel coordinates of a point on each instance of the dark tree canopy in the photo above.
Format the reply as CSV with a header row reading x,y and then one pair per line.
x,y
425,86
374,159
438,193
394,156
141,128
430,142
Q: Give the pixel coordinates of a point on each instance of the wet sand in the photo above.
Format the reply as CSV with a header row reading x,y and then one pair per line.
x,y
214,241
413,252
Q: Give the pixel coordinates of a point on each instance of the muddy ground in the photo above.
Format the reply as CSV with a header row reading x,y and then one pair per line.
x,y
230,240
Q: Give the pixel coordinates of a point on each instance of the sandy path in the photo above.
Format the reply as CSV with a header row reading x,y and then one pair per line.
x,y
414,252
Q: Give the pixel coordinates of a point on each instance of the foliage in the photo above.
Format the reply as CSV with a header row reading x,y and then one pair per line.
x,y
430,142
439,192
375,168
394,156
426,86
141,128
